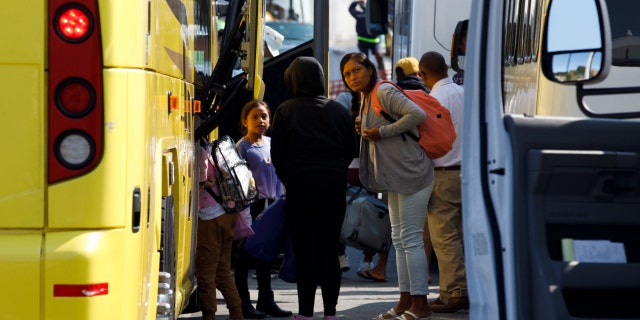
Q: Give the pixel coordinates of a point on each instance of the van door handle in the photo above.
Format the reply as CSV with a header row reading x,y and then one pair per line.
x,y
611,184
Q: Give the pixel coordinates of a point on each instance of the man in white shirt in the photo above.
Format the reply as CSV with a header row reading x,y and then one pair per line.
x,y
445,205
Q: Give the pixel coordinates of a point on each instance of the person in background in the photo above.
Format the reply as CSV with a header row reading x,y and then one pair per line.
x,y
366,42
401,168
214,236
462,52
407,75
445,207
313,143
255,148
408,79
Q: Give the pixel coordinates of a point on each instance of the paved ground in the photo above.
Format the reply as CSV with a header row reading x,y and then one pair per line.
x,y
360,299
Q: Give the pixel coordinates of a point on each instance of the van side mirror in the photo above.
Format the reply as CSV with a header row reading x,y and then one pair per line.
x,y
576,41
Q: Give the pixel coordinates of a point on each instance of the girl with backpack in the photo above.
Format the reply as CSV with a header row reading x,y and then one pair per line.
x,y
255,148
214,245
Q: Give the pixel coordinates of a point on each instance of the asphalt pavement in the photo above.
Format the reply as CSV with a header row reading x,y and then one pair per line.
x,y
360,299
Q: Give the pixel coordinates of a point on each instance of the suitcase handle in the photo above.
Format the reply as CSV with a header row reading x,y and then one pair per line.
x,y
355,195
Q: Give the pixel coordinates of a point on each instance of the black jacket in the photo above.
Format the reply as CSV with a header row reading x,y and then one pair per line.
x,y
411,82
361,23
310,133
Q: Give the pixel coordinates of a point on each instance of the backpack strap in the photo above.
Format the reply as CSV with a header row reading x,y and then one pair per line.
x,y
379,109
214,195
392,120
216,173
355,195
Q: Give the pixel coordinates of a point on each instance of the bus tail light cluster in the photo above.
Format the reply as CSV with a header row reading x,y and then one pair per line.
x,y
75,96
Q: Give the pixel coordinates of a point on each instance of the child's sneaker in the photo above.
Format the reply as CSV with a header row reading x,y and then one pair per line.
x,y
344,263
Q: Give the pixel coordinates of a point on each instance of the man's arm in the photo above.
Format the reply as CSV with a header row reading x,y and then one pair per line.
x,y
352,8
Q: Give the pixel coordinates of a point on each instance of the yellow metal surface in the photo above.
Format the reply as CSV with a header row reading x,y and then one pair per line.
x,y
80,257
18,22
20,275
160,42
22,82
22,120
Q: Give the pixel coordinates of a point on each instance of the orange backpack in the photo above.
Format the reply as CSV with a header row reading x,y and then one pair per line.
x,y
437,133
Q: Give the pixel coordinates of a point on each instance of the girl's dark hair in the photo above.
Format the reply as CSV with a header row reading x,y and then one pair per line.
x,y
362,59
355,104
247,108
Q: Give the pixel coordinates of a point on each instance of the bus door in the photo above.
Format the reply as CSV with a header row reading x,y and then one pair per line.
x,y
552,203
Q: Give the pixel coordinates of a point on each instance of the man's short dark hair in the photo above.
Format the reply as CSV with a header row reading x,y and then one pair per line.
x,y
434,62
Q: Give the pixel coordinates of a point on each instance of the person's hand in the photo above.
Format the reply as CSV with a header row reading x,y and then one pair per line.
x,y
357,122
372,134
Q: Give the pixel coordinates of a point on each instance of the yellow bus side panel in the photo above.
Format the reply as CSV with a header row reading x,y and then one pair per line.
x,y
22,121
22,79
20,275
23,39
161,42
175,140
79,257
124,17
520,85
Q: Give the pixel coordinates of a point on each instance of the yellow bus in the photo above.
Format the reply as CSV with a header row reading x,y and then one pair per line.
x,y
98,201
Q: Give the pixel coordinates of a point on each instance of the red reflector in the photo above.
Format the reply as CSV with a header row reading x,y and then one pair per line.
x,y
197,106
80,290
73,23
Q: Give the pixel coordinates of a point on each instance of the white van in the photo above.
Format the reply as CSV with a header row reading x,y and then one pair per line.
x,y
551,159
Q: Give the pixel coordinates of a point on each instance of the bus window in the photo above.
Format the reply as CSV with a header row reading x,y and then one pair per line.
x,y
294,33
291,19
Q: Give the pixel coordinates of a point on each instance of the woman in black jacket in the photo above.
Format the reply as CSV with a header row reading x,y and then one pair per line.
x,y
312,143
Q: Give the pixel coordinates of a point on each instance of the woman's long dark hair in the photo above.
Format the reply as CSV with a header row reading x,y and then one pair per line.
x,y
362,59
355,104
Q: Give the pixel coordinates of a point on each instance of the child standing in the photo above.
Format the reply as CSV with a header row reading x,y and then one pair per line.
x,y
214,243
255,148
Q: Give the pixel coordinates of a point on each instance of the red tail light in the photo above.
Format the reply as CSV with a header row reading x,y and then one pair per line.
x,y
74,23
75,97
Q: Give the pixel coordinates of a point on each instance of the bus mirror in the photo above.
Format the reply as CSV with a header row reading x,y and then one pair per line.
x,y
576,42
459,46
